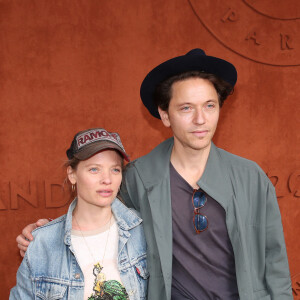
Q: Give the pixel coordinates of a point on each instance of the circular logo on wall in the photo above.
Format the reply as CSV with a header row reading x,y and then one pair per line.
x,y
256,30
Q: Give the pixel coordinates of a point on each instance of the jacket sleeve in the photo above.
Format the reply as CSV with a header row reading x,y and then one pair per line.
x,y
24,289
277,268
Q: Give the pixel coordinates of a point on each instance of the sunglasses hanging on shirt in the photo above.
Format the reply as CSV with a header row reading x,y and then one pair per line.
x,y
200,221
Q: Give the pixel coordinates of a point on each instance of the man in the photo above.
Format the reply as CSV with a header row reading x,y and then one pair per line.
x,y
211,219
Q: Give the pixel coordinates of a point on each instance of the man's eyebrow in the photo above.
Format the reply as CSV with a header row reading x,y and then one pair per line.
x,y
184,103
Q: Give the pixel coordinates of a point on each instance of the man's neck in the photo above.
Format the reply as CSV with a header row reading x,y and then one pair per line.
x,y
190,163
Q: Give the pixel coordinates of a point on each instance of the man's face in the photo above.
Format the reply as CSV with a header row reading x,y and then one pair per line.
x,y
193,113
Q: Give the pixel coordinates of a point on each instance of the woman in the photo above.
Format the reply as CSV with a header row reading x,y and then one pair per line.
x,y
97,250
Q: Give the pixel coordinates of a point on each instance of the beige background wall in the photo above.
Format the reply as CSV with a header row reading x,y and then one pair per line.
x,y
70,65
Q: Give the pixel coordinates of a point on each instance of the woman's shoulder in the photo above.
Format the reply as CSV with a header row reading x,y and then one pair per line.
x,y
48,244
50,232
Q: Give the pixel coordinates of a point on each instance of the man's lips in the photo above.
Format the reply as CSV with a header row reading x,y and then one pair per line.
x,y
105,193
200,133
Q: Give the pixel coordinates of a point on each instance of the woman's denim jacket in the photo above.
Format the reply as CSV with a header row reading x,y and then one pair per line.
x,y
50,270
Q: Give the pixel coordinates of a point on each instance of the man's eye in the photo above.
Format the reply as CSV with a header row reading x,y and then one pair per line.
x,y
185,108
210,105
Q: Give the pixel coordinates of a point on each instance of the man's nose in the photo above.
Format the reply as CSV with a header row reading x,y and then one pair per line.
x,y
199,116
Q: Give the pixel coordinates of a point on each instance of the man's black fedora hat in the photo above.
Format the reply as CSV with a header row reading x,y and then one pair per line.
x,y
194,60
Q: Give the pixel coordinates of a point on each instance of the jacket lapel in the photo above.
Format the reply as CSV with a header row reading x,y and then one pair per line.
x,y
218,181
154,170
215,180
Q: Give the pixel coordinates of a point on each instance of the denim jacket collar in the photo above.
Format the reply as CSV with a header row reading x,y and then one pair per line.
x,y
125,218
68,224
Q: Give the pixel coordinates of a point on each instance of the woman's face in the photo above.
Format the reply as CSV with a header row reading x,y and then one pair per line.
x,y
98,178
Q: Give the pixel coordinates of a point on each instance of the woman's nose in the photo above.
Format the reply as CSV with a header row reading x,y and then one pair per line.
x,y
105,178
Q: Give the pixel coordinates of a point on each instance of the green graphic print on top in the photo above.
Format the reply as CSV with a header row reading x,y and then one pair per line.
x,y
106,289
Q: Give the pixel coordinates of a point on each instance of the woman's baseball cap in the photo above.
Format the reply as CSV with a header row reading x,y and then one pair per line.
x,y
88,142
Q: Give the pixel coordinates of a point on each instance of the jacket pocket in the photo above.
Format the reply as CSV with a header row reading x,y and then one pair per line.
x,y
135,280
50,290
142,275
141,269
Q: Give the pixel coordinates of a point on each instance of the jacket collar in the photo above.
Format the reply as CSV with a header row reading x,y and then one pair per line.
x,y
215,180
126,218
68,225
155,166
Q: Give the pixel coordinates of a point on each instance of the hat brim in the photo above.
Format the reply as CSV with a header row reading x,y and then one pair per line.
x,y
93,148
195,60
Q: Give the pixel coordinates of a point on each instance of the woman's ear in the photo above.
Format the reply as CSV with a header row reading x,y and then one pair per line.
x,y
71,175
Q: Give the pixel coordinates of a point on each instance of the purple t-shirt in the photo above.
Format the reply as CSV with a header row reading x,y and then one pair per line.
x,y
203,264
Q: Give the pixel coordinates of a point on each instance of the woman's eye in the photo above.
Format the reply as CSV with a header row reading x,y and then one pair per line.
x,y
93,170
116,170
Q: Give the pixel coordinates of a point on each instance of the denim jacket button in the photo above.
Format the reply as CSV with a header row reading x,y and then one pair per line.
x,y
77,276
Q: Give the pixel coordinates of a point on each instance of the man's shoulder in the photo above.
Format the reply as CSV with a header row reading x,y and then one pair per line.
x,y
235,159
236,162
160,154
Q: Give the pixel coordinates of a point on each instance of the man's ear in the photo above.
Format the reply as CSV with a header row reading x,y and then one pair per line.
x,y
71,175
164,117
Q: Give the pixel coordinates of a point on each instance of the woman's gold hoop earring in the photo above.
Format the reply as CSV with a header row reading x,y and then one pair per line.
x,y
73,188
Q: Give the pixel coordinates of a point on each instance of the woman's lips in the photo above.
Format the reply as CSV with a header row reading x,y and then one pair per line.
x,y
105,193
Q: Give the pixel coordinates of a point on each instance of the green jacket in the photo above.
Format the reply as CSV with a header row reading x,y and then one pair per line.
x,y
252,217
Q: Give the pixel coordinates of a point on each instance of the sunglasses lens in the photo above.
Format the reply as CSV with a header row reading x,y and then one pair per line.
x,y
199,199
200,222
